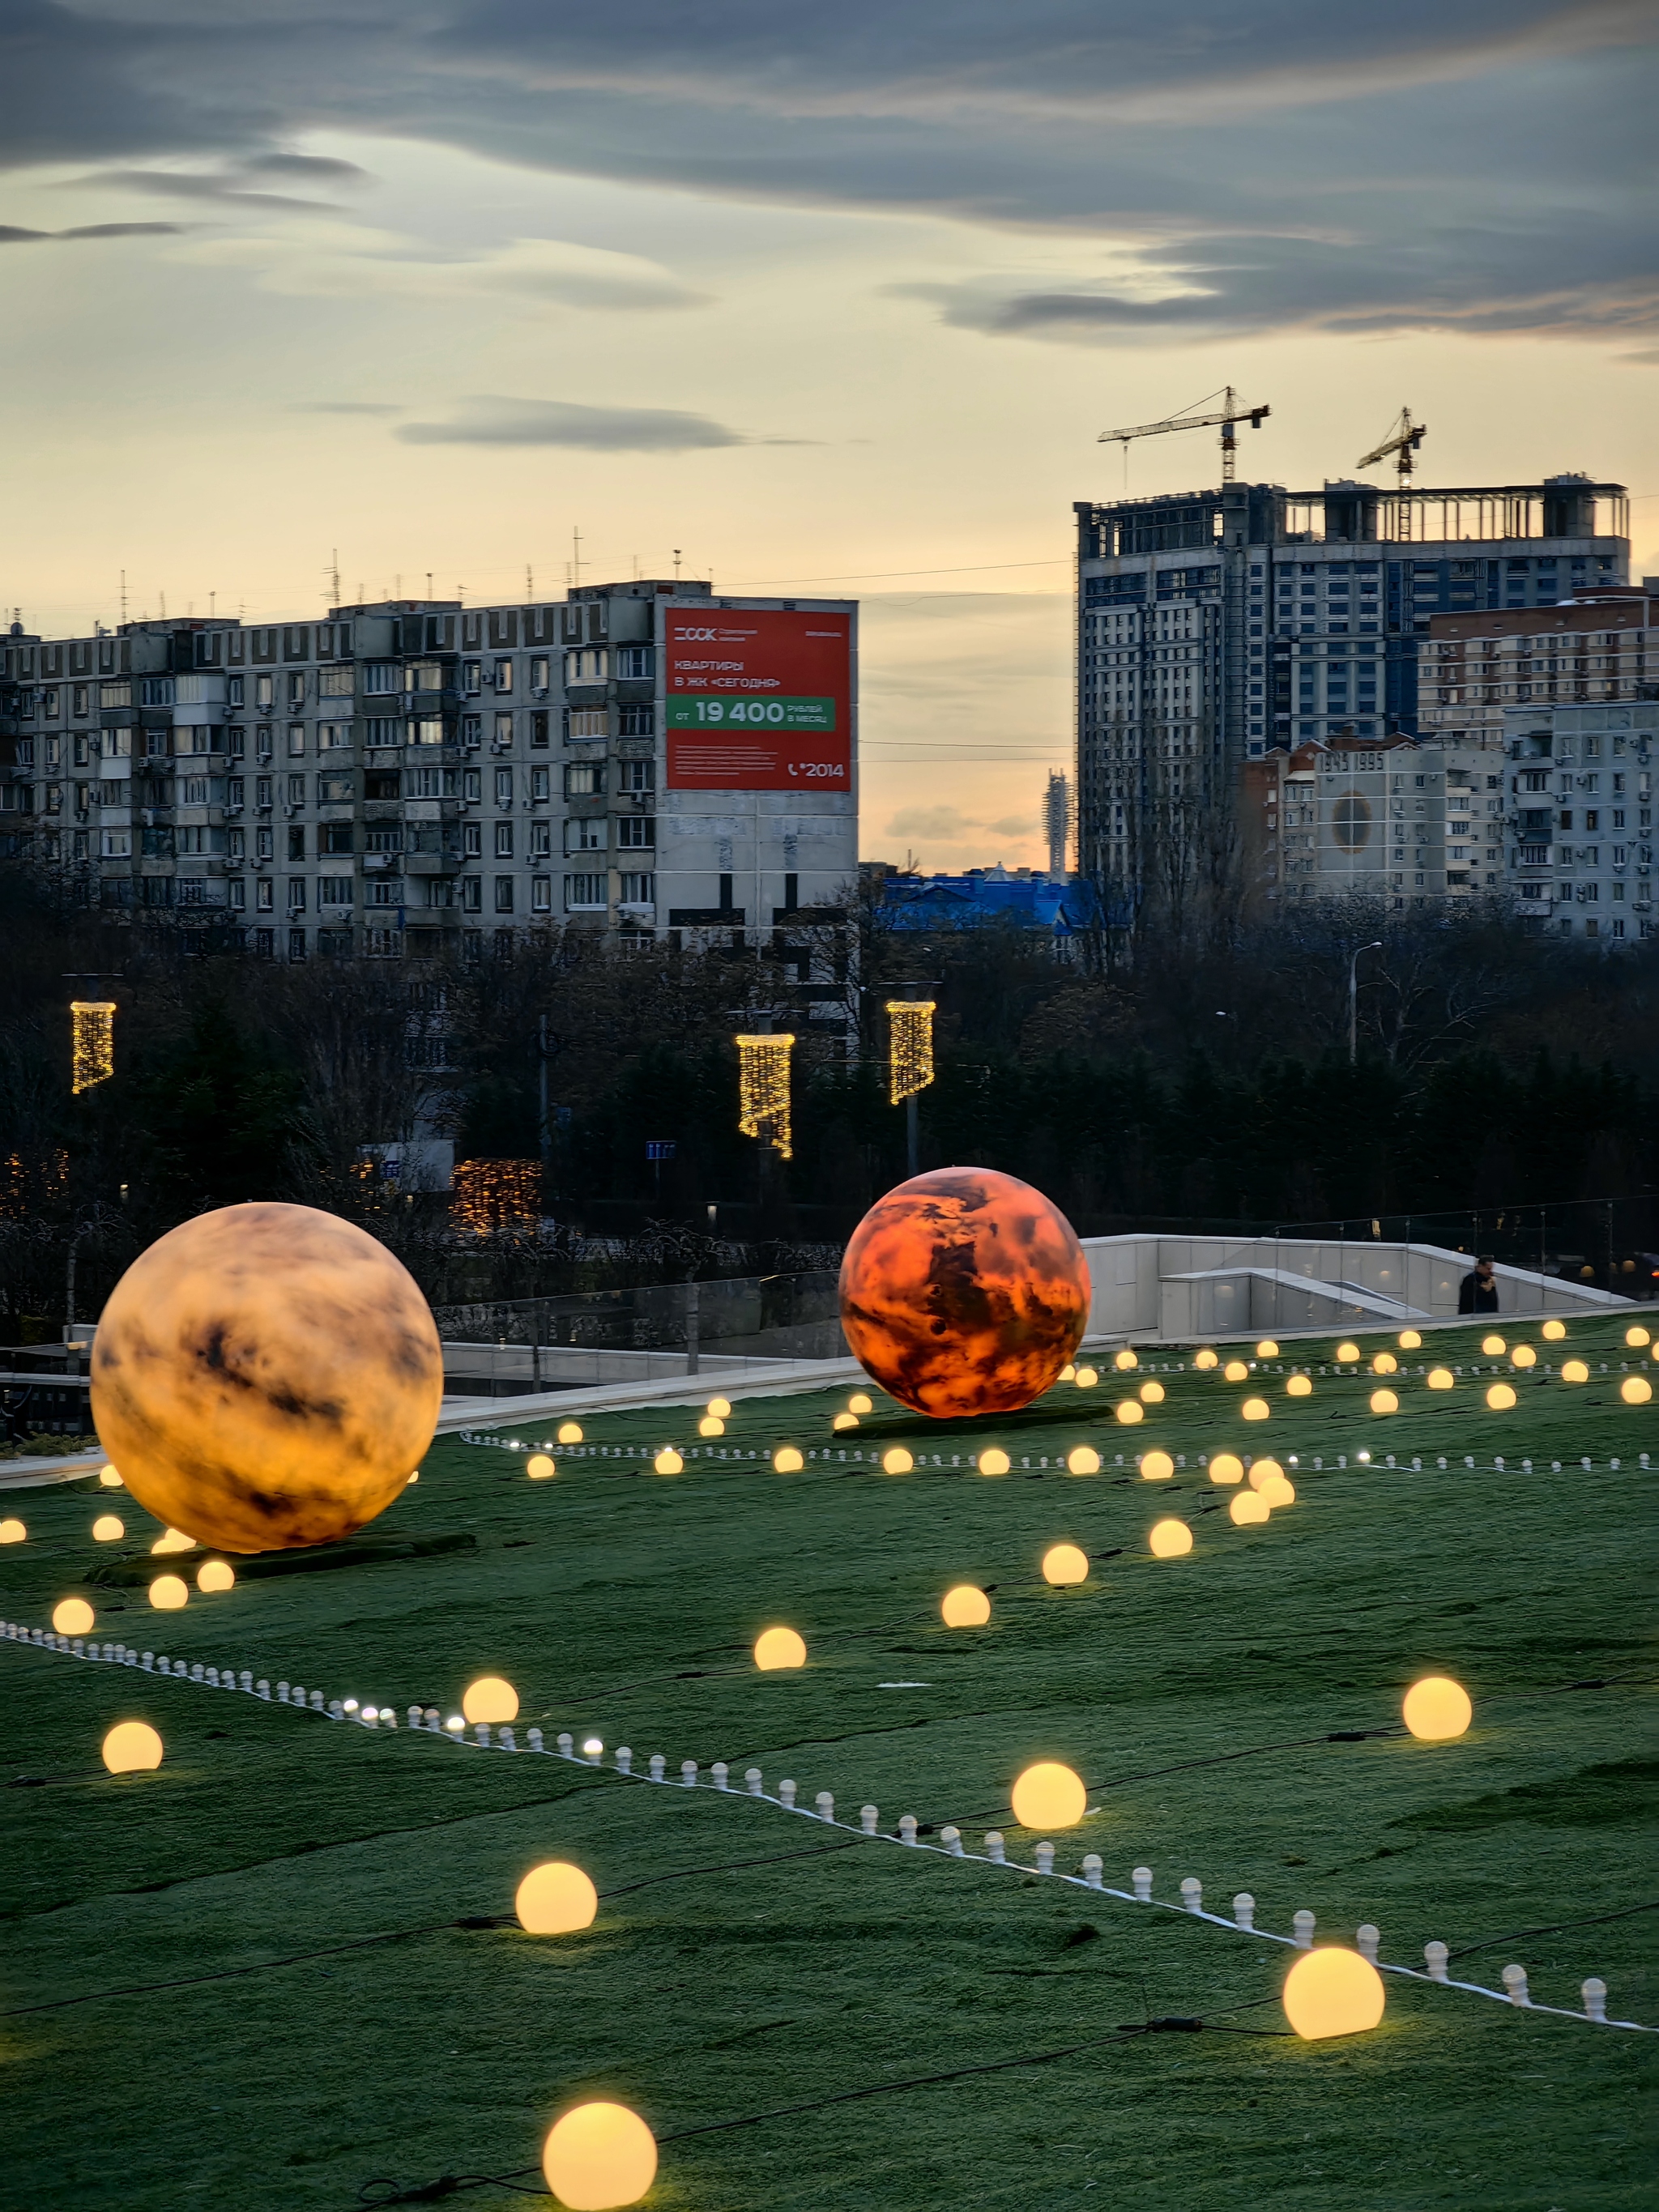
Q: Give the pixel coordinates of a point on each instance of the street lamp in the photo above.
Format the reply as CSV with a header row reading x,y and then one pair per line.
x,y
1376,945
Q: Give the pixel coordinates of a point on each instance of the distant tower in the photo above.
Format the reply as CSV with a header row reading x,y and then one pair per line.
x,y
1057,822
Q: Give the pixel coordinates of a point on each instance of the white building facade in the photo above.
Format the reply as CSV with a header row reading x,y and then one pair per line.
x,y
1580,846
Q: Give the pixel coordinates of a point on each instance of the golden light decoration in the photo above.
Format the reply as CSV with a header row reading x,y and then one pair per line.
x,y
1500,1398
1277,1491
1152,1393
1127,1358
1129,1411
776,1649
1441,1378
1067,1373
91,1043
1236,1371
711,1427
1493,1346
763,1091
490,1698
1169,1539
788,1461
909,1047
1156,1467
1263,1470
1267,1349
964,1607
1635,1390
555,1899
1085,1377
668,1462
570,1432
1207,1359
843,1422
1256,1409
110,1479
540,1467
1299,1386
1384,1401
12,1530
1248,1507
131,1747
1555,1330
1226,1467
860,1402
897,1460
720,1407
495,1195
993,1461
215,1575
1384,1362
1410,1340
1083,1459
1049,1795
1347,1351
72,1616
1524,1356
1064,1565
1437,1709
169,1593
1332,1992
599,2156
1637,1334
1574,1371
108,1528
172,1540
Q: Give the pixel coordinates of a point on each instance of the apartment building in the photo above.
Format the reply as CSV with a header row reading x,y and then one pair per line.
x,y
1215,627
645,759
1580,818
1600,644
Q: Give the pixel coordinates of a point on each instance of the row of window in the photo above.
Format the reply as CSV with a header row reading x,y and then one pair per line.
x,y
583,893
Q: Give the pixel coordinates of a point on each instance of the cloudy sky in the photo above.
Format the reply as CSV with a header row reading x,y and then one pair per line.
x,y
828,298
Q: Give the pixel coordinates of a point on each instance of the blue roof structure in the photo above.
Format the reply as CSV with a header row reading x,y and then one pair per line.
x,y
1060,907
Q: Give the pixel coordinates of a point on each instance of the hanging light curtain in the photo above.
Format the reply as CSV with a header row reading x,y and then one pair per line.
x,y
763,1091
910,1053
91,1043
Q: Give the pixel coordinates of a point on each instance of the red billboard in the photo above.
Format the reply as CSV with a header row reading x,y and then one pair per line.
x,y
757,700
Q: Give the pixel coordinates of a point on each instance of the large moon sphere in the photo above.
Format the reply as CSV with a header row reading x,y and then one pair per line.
x,y
964,1291
265,1378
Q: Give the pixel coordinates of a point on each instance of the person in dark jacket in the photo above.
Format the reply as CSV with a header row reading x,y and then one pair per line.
x,y
1478,1292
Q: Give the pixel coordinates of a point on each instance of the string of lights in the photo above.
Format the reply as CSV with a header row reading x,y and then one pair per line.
x,y
763,1101
910,1056
91,1043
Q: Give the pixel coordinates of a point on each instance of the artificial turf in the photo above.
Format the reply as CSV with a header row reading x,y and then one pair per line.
x,y
624,1602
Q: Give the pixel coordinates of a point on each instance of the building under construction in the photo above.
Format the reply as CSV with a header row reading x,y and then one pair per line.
x,y
1214,626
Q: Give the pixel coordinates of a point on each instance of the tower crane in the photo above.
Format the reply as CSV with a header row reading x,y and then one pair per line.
x,y
1403,440
1230,413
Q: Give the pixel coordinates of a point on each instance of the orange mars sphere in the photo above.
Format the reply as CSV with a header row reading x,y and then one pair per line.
x,y
265,1376
964,1291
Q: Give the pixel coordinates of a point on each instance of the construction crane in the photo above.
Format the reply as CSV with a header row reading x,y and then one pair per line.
x,y
1403,440
1230,413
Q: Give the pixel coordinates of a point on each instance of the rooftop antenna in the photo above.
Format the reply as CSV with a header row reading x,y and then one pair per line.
x,y
164,606
1403,440
428,583
529,581
677,564
576,557
1231,411
123,595
332,572
213,606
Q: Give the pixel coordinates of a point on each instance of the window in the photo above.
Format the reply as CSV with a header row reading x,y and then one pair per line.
x,y
423,676
336,836
115,845
296,791
334,790
296,894
193,791
471,678
382,840
539,783
635,663
296,944
541,895
582,893
296,691
332,736
503,894
538,729
472,893
236,844
384,890
588,722
153,691
296,842
261,740
380,677
636,775
296,738
639,890
541,840
473,729
636,831
585,779
472,839
503,676
590,666
503,841
635,721
334,890
383,944
264,691
335,682
423,783
538,677
264,895
504,728
118,745
238,895
584,836
427,731
262,844
439,891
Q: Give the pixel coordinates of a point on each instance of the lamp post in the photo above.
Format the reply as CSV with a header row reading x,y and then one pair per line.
x,y
1376,945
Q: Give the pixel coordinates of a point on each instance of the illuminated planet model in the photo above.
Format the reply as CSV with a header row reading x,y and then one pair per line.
x,y
964,1291
267,1376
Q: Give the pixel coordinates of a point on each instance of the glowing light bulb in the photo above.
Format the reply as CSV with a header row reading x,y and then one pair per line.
x,y
720,1407
1126,1359
1299,1386
1129,1411
108,1528
1248,1507
172,1540
1637,1334
1206,1359
169,1593
1049,1795
490,1698
1255,1409
1087,1378
1437,1709
1152,1393
668,1462
1441,1378
1067,1373
110,1479
555,1899
1169,1539
1277,1491
1384,1401
1384,1362
1236,1371
1156,1467
591,1747
1493,1346
964,1607
787,1460
1226,1467
1635,1390
897,1460
454,1724
1332,1991
1267,1349
1064,1565
860,1403
1574,1371
844,1421
216,1575
1263,1470
540,1467
1083,1459
993,1461
1555,1330
72,1616
778,1647
1410,1340
1524,1356
711,1426
1347,1351
131,1747
598,2156
1500,1397
570,1432
12,1531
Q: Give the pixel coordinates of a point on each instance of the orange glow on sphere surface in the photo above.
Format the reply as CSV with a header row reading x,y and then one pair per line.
x,y
964,1291
265,1376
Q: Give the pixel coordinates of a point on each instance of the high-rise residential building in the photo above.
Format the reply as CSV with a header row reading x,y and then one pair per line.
x,y
1213,627
1580,816
647,759
1602,643
1057,824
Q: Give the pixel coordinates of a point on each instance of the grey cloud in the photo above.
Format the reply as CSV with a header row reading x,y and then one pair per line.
x,y
490,420
194,184
10,234
320,168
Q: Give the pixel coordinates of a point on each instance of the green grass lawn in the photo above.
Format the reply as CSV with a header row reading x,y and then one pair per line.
x,y
624,1603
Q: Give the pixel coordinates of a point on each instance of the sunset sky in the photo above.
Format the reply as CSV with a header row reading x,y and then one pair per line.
x,y
830,299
